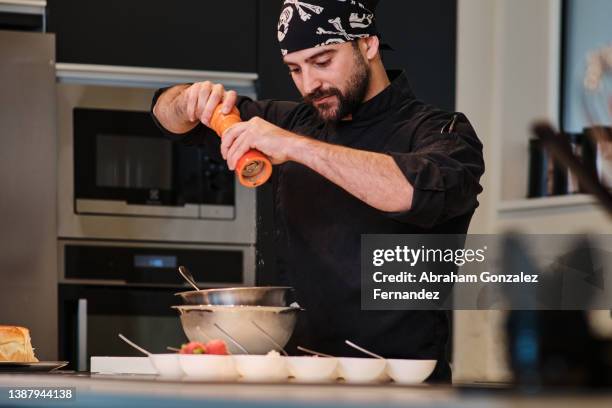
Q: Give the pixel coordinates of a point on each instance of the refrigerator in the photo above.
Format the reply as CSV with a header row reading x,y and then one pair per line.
x,y
28,180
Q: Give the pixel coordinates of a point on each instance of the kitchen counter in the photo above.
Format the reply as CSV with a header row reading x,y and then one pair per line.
x,y
121,391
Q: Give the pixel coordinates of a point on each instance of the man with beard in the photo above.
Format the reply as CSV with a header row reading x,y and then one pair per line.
x,y
360,155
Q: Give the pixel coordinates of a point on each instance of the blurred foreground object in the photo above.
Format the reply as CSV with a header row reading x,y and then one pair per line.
x,y
554,348
557,348
559,147
597,102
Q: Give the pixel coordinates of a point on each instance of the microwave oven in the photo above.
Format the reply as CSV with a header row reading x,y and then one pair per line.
x,y
121,178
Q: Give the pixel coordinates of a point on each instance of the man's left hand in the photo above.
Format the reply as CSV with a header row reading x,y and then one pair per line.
x,y
271,140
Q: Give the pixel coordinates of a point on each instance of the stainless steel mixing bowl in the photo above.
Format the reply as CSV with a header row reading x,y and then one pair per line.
x,y
205,322
243,296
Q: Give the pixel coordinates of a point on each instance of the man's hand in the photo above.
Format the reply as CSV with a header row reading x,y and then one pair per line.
x,y
180,108
274,142
200,100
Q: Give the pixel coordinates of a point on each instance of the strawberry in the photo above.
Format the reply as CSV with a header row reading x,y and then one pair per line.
x,y
216,347
193,347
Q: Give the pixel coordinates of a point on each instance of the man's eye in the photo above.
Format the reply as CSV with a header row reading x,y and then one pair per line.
x,y
322,64
294,71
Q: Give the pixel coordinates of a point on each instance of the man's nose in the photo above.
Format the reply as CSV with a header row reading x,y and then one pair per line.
x,y
311,82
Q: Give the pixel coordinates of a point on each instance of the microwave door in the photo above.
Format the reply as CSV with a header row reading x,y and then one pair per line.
x,y
125,166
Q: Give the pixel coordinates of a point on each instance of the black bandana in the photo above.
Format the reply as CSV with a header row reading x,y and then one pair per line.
x,y
313,23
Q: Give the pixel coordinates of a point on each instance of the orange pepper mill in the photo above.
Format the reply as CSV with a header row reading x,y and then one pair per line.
x,y
254,168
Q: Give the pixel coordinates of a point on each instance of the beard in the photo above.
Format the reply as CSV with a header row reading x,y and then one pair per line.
x,y
348,101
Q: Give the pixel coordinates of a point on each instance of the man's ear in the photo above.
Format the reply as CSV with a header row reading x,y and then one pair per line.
x,y
372,47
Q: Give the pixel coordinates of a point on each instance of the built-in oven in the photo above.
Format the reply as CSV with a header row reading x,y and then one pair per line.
x,y
121,178
107,288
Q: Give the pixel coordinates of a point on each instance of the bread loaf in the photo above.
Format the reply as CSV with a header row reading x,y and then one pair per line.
x,y
15,345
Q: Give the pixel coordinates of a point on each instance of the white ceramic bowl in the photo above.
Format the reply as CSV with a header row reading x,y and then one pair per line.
x,y
312,369
166,365
208,367
410,371
261,368
361,370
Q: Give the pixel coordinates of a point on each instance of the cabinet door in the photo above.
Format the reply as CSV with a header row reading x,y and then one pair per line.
x,y
184,34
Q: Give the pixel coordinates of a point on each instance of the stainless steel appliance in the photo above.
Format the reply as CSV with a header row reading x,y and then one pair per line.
x,y
108,288
121,178
133,205
28,177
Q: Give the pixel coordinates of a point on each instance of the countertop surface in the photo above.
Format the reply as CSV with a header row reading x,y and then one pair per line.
x,y
138,390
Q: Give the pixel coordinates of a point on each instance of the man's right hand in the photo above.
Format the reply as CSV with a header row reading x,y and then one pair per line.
x,y
180,108
200,100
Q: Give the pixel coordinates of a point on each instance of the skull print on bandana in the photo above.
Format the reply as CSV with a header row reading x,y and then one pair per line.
x,y
300,6
313,23
283,23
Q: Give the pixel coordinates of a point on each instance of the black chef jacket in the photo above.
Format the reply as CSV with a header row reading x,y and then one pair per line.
x,y
318,225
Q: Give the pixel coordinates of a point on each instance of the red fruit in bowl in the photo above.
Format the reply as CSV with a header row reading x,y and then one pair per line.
x,y
216,347
193,347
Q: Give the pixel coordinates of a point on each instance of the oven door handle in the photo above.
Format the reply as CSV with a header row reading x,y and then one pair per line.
x,y
82,335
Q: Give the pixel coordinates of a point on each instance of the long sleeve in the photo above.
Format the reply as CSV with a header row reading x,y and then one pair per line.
x,y
444,168
273,111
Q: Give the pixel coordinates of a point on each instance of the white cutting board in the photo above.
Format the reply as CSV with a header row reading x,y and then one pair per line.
x,y
121,365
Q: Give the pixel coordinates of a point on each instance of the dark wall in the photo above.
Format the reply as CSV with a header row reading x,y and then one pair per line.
x,y
274,79
185,34
423,35
240,35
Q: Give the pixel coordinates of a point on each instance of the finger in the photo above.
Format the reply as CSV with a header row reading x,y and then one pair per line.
x,y
204,91
229,137
237,150
192,102
229,101
215,98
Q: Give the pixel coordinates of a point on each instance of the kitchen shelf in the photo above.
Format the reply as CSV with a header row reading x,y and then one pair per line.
x,y
147,77
572,214
546,203
23,6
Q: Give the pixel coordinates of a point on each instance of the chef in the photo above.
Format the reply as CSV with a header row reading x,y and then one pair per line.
x,y
359,155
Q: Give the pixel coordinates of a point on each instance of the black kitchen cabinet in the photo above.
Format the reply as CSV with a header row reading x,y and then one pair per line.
x,y
184,34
